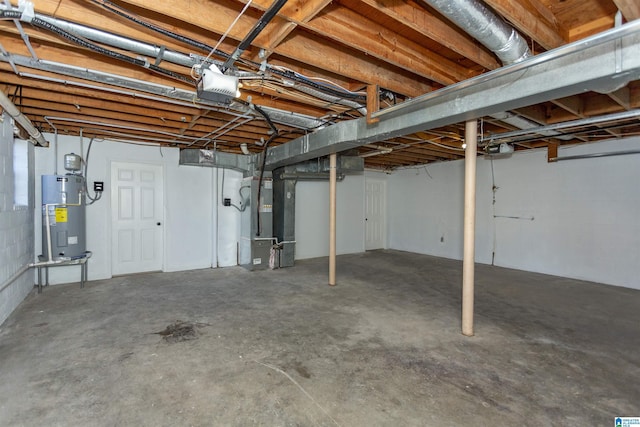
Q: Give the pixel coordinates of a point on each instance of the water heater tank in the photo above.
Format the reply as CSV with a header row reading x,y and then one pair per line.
x,y
63,202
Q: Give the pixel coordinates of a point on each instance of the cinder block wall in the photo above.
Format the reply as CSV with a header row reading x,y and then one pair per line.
x,y
16,226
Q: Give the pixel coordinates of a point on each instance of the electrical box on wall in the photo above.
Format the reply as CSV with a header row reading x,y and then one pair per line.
x,y
98,186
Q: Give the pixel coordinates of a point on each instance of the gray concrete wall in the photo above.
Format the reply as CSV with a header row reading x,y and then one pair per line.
x,y
16,222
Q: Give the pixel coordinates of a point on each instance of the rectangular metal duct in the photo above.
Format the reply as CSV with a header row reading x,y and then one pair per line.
x,y
215,159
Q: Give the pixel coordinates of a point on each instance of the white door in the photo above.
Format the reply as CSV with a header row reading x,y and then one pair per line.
x,y
375,218
136,218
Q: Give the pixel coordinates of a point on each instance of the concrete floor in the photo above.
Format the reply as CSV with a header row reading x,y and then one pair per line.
x,y
281,348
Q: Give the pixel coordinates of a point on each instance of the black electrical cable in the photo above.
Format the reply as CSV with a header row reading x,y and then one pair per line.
x,y
243,205
267,118
291,75
39,23
255,31
10,14
262,167
187,40
273,136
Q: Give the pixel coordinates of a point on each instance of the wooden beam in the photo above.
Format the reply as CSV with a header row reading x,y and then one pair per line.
x,y
360,33
544,12
622,97
373,103
325,54
552,152
535,113
630,8
352,29
419,19
591,27
292,14
634,94
301,46
85,59
528,23
572,104
90,97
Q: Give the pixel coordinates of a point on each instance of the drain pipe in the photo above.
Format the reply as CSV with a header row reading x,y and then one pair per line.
x,y
486,27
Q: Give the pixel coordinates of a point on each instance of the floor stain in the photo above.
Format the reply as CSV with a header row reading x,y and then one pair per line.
x,y
181,331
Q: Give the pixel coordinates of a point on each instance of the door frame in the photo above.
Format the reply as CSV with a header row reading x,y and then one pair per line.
x,y
385,243
110,162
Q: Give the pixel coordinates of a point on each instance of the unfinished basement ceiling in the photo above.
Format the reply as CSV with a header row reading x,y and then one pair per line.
x,y
310,67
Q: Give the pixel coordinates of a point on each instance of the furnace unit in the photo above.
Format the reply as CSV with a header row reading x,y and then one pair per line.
x,y
256,227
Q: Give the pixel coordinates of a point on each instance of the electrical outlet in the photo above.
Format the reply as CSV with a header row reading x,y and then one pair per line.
x,y
98,186
227,202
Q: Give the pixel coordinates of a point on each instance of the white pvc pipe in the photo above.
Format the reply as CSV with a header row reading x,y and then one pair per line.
x,y
468,263
48,223
332,219
13,278
22,120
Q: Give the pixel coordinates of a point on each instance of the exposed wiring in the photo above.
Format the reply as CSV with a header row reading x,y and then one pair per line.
x,y
39,23
244,9
98,194
281,88
332,89
243,206
320,79
264,162
268,119
120,11
443,145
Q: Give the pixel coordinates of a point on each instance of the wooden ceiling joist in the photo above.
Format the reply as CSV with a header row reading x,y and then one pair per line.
x,y
528,22
406,48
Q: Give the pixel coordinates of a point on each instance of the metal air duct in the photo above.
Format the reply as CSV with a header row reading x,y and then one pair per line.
x,y
486,27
